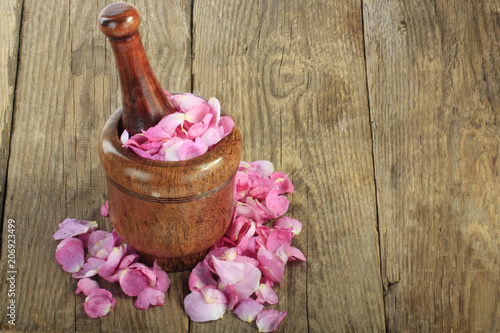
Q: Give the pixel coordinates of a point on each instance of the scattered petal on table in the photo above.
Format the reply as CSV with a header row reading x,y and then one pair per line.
x,y
277,204
262,168
268,320
70,254
266,294
271,265
248,310
87,286
293,253
278,237
146,271
282,182
105,210
201,277
109,267
229,271
207,306
288,222
162,279
98,303
132,282
100,244
89,268
72,227
149,296
250,282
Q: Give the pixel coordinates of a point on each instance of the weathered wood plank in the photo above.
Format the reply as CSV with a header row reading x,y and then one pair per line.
x,y
35,191
9,35
67,88
294,80
433,77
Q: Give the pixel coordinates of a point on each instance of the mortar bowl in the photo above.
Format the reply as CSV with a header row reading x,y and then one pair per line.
x,y
172,212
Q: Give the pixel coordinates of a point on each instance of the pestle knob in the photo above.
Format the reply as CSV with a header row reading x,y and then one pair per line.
x,y
144,102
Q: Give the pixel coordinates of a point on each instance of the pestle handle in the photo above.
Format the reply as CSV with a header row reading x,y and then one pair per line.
x,y
144,102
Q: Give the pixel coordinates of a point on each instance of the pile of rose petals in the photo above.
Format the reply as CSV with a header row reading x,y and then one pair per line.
x,y
87,252
240,270
192,130
238,273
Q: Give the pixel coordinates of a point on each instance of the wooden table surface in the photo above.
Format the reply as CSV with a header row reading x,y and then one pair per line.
x,y
384,113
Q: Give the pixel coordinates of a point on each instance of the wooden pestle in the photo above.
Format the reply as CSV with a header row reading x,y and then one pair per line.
x,y
169,212
144,102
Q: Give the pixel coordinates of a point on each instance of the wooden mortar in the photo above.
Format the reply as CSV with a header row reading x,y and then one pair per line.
x,y
172,212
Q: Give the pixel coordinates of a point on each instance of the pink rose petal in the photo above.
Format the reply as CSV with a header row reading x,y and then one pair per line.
x,y
149,296
268,320
250,282
205,305
132,282
171,122
71,228
188,101
229,271
277,204
145,154
89,268
201,277
198,113
190,149
266,294
288,222
162,279
124,137
262,168
146,271
98,303
198,129
128,260
172,152
100,244
231,295
70,254
87,286
277,238
293,253
282,181
215,109
117,240
85,239
227,124
237,226
156,134
271,265
212,136
109,267
261,188
243,184
105,210
248,310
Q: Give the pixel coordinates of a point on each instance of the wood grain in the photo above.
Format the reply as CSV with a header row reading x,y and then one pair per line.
x,y
433,77
67,88
292,75
9,35
414,136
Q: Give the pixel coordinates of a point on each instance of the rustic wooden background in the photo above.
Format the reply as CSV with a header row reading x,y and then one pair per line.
x,y
384,113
